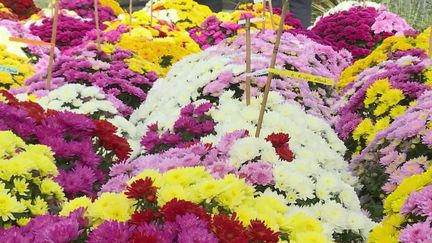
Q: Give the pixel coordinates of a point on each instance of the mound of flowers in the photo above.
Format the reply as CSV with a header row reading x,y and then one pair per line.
x,y
84,148
85,9
71,30
203,210
397,152
407,212
124,77
360,29
281,163
81,99
347,5
185,14
168,43
384,85
208,74
26,180
21,8
256,11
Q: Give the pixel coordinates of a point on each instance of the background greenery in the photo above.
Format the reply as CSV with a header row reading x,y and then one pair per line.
x,y
417,12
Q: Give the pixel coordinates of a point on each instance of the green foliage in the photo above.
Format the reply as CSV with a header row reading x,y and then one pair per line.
x,y
416,12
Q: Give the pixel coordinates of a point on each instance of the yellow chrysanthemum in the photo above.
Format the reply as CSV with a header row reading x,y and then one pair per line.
x,y
70,206
165,50
26,167
110,206
38,207
19,69
8,206
389,229
51,188
114,5
256,10
23,221
391,44
189,13
20,186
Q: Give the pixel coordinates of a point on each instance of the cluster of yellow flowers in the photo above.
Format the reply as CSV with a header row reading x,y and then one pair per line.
x,y
388,230
114,5
256,10
188,13
14,69
136,63
197,185
380,54
26,185
382,105
165,50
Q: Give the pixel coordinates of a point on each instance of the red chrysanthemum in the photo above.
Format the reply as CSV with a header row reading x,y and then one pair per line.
x,y
143,237
105,131
22,8
280,143
11,100
285,152
278,139
229,229
146,216
181,207
34,110
142,189
259,232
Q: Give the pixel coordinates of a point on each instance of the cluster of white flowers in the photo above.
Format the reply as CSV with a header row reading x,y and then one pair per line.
x,y
177,89
346,5
212,71
318,171
80,99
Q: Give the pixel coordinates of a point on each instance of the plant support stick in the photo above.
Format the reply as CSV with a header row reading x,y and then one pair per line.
x,y
272,65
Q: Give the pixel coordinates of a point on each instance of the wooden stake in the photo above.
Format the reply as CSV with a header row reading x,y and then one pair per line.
x,y
96,8
53,41
248,62
430,42
271,14
130,17
272,65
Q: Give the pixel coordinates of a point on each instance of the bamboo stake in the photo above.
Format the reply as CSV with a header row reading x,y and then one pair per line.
x,y
96,8
130,17
53,41
430,42
271,14
248,62
272,65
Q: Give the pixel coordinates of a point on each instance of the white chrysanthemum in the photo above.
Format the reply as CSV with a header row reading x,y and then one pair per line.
x,y
78,98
